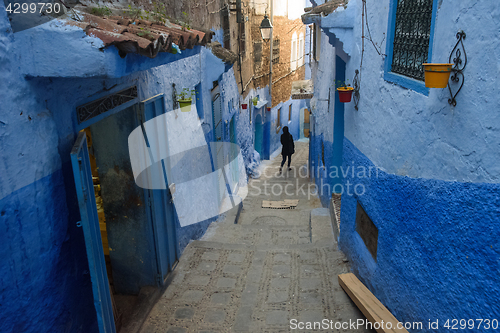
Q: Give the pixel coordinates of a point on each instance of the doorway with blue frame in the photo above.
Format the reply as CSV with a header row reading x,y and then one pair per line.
x,y
129,231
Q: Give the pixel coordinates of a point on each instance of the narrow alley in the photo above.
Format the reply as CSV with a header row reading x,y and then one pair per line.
x,y
273,267
141,144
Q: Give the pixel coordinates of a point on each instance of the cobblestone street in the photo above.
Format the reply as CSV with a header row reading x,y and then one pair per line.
x,y
272,267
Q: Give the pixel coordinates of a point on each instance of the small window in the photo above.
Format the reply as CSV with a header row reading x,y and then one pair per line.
x,y
257,55
293,56
225,28
290,112
412,34
300,59
367,230
242,39
276,51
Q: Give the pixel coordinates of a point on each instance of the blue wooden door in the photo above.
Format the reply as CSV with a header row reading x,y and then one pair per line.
x,y
162,208
92,233
258,135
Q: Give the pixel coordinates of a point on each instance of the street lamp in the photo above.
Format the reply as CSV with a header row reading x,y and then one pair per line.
x,y
265,28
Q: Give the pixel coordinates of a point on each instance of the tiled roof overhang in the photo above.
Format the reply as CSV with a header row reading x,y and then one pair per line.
x,y
313,13
139,36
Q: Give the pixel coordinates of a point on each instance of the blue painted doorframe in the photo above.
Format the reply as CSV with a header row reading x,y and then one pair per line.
x,y
162,209
92,233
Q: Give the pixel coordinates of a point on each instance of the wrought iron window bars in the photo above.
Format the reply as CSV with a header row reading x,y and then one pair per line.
x,y
411,38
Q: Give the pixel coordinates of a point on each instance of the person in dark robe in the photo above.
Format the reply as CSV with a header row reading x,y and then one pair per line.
x,y
288,147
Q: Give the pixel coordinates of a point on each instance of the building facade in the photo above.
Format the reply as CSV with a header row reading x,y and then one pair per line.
x,y
417,174
73,90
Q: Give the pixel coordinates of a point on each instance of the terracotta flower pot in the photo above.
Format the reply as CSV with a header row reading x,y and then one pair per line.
x,y
244,106
345,94
437,75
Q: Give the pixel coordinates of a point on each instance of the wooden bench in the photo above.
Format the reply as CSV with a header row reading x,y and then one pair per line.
x,y
369,305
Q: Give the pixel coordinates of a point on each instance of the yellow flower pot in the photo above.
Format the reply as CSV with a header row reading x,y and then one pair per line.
x,y
437,75
185,104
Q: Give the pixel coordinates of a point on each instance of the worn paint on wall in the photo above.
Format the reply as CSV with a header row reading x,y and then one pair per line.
x,y
324,150
438,242
408,133
435,201
46,274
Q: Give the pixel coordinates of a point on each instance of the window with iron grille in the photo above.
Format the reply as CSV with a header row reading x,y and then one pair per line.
x,y
412,35
276,51
242,39
225,27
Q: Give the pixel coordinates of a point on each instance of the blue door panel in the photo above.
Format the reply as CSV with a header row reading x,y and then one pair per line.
x,y
258,135
90,225
162,209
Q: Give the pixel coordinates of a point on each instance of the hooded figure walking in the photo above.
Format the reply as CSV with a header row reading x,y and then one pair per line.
x,y
288,147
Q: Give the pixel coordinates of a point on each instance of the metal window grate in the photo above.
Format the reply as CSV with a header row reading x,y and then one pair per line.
x,y
225,27
411,37
276,51
102,105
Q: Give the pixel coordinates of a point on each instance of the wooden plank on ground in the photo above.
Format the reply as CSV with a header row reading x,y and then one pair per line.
x,y
283,204
369,305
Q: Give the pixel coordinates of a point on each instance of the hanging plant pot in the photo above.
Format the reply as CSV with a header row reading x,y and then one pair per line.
x,y
437,75
244,106
185,104
268,109
255,101
345,94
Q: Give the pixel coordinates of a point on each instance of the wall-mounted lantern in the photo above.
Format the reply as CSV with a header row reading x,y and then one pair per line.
x,y
265,28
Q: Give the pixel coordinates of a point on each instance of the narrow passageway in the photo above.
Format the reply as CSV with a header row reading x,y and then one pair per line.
x,y
272,270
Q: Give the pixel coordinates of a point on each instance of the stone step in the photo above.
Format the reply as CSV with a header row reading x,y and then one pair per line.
x,y
321,227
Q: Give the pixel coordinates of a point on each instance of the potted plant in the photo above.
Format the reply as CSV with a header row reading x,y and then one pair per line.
x,y
255,100
185,98
437,75
345,91
244,106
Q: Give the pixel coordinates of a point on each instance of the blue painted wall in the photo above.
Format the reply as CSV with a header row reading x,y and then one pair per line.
x,y
45,273
436,199
325,143
438,243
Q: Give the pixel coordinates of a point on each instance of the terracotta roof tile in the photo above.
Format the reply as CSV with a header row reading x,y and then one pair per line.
x,y
140,36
